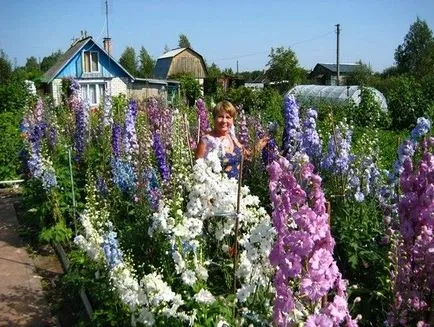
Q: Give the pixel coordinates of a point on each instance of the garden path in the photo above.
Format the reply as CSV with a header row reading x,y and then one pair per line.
x,y
22,300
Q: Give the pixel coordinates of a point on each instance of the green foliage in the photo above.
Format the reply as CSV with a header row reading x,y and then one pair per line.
x,y
406,102
190,88
14,96
183,41
128,60
59,233
146,64
360,75
49,61
412,55
283,67
361,253
368,113
213,71
5,68
10,146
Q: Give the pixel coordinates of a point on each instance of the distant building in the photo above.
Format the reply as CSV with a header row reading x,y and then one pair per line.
x,y
326,74
179,61
96,71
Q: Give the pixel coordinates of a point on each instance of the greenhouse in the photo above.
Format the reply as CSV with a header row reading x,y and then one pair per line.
x,y
336,93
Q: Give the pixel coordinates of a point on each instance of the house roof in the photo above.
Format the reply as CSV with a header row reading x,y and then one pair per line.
x,y
343,68
163,63
171,53
76,47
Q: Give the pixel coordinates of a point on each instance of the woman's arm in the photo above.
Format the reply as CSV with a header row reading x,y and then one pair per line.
x,y
200,150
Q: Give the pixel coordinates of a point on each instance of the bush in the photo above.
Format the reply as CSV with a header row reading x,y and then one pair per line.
x,y
10,146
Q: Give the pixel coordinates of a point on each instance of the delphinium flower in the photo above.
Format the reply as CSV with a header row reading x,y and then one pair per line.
x,y
101,186
160,155
35,152
423,126
243,131
52,136
110,246
81,121
291,129
303,251
107,118
116,140
413,274
338,156
48,176
153,190
130,141
202,115
123,175
310,142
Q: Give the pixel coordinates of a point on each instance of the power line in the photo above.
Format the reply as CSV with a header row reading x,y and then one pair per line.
x,y
263,52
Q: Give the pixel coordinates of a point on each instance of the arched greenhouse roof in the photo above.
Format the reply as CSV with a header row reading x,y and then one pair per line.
x,y
336,93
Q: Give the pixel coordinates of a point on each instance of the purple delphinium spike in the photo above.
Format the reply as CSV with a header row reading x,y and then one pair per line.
x,y
413,277
116,140
311,142
131,145
161,157
81,120
303,250
243,131
202,115
338,156
291,129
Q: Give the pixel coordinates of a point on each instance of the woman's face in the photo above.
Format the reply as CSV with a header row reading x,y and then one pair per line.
x,y
223,122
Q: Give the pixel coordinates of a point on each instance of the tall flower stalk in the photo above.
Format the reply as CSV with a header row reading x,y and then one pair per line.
x,y
309,286
291,130
131,145
413,275
202,116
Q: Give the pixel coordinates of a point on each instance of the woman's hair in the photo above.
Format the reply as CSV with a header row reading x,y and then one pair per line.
x,y
224,106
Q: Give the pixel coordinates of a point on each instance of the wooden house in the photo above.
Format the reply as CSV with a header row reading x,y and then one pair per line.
x,y
92,67
97,72
327,74
179,61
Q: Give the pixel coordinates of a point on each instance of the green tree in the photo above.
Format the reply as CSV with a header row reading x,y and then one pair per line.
x,y
48,61
283,67
409,55
128,60
32,69
406,101
146,64
361,74
213,71
183,41
5,68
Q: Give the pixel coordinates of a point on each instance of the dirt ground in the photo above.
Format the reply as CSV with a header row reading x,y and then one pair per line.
x,y
22,303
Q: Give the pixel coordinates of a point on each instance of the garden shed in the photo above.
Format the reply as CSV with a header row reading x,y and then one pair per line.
x,y
178,61
336,93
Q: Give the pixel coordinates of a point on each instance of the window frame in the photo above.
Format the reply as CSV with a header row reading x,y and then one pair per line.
x,y
90,55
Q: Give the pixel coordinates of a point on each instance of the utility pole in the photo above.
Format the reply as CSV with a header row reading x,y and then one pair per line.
x,y
237,67
338,71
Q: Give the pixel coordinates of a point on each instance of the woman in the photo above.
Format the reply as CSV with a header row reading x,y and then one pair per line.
x,y
224,141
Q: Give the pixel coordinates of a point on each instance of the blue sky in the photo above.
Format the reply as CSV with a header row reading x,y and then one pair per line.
x,y
222,31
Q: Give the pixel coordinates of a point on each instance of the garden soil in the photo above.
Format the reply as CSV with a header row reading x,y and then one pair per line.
x,y
22,274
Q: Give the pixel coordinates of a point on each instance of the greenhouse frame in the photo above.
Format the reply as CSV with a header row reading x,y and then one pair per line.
x,y
336,93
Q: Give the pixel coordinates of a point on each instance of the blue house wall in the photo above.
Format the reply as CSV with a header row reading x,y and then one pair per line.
x,y
108,68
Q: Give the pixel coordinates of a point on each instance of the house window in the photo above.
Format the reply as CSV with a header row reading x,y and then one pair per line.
x,y
90,62
93,93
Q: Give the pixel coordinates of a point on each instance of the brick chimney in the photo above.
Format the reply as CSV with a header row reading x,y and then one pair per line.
x,y
108,45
